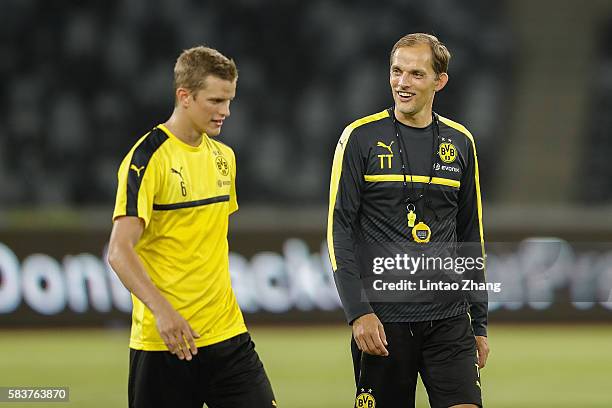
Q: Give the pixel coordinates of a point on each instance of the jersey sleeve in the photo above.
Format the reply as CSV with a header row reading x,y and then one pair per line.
x,y
138,183
470,233
346,184
233,200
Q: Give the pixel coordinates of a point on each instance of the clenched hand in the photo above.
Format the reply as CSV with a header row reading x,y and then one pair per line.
x,y
369,335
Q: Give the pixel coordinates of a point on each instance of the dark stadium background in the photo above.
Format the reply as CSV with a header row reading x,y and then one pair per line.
x,y
83,80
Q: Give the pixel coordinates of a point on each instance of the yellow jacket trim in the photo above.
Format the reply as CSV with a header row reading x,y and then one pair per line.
x,y
377,178
336,173
462,129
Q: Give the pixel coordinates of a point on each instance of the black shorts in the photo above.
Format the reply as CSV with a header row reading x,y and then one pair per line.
x,y
442,351
228,374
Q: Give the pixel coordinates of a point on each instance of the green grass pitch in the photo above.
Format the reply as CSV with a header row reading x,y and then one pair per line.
x,y
530,366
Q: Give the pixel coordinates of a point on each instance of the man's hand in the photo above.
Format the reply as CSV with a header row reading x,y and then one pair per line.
x,y
173,328
176,332
482,348
369,335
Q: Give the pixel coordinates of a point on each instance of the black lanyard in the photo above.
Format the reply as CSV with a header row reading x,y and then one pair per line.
x,y
410,197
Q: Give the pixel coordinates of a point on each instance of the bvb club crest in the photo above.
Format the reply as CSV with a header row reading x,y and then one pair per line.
x,y
447,152
365,400
222,165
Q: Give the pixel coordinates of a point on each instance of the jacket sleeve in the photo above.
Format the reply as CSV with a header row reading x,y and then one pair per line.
x,y
470,233
347,180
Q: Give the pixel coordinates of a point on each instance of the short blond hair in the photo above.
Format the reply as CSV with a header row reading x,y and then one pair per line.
x,y
194,65
440,54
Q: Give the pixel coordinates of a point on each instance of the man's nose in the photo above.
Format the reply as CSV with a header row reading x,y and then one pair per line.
x,y
404,80
225,109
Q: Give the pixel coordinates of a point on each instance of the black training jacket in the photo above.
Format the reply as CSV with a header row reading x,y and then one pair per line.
x,y
368,206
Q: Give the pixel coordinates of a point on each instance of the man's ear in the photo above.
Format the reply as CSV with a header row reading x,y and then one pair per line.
x,y
183,97
441,81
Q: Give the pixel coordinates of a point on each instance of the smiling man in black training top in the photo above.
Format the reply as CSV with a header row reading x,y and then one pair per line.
x,y
409,175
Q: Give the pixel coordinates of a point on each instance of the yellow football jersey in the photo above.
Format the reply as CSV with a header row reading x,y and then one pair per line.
x,y
184,194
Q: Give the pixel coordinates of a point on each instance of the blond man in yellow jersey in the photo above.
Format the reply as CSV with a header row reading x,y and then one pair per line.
x,y
189,344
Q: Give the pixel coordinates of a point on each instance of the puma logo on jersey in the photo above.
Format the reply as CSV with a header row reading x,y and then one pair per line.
x,y
137,169
182,184
179,172
384,146
382,157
